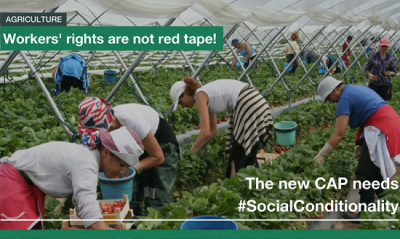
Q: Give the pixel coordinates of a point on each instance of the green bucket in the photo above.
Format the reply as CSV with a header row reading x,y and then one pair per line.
x,y
285,132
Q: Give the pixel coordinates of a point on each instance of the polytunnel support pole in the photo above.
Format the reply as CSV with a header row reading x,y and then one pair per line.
x,y
8,61
362,68
121,61
302,66
268,54
228,34
47,94
284,70
189,64
315,63
133,66
14,54
310,42
238,61
326,51
253,62
356,60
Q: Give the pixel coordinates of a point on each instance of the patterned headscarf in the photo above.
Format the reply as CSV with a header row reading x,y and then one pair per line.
x,y
94,113
91,140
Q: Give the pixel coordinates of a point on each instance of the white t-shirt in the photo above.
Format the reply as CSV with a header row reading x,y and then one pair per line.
x,y
141,118
60,169
222,94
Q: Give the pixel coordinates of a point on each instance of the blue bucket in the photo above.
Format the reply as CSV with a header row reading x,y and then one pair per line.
x,y
286,65
241,62
109,76
321,70
116,188
304,61
226,224
285,132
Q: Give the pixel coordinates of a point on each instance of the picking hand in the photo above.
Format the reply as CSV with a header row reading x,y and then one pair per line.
x,y
321,155
319,159
371,77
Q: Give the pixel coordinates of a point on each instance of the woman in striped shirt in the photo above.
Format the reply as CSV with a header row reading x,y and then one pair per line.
x,y
249,125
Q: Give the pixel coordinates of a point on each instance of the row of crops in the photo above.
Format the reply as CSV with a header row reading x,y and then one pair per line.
x,y
27,120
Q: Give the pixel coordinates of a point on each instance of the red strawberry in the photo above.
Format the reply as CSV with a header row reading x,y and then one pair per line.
x,y
218,121
282,148
278,150
115,177
127,175
197,127
319,217
224,119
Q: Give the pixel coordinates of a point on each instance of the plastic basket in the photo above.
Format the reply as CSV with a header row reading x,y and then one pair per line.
x,y
304,61
116,188
241,62
226,224
109,76
286,65
285,132
321,70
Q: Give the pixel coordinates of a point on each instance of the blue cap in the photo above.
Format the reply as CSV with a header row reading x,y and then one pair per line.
x,y
235,41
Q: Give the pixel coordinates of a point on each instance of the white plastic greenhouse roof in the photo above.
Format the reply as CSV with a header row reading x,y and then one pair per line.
x,y
260,14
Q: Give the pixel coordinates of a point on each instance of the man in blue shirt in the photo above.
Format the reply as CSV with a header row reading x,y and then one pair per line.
x,y
378,134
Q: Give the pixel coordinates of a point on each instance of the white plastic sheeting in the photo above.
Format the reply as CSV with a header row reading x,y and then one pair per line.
x,y
259,13
28,5
145,8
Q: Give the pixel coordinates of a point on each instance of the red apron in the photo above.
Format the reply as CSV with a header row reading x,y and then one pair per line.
x,y
18,200
387,120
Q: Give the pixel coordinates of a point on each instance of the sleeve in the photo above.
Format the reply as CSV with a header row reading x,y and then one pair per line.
x,y
368,66
137,123
393,65
343,107
84,183
286,47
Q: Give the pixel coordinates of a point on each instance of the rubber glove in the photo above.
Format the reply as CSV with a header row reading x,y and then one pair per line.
x,y
322,153
138,168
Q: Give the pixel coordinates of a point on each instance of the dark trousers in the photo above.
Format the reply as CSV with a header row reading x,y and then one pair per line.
x,y
367,171
289,58
69,81
312,59
238,156
246,64
384,91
